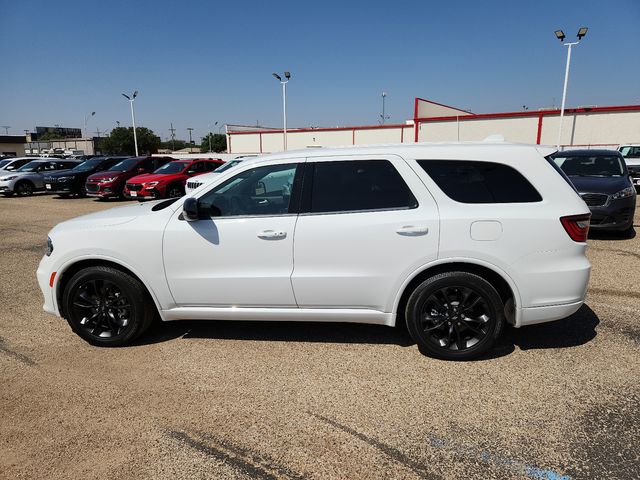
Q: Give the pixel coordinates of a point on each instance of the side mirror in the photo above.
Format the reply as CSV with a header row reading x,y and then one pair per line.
x,y
190,172
190,210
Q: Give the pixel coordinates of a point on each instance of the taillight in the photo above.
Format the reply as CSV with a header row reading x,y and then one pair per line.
x,y
577,226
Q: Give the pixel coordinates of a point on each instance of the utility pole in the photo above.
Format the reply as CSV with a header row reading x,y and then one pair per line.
x,y
190,140
173,137
6,129
383,117
98,132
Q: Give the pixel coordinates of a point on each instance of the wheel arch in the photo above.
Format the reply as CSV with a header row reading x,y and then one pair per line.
x,y
503,284
71,269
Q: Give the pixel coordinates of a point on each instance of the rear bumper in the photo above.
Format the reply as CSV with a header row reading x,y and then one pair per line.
x,y
549,313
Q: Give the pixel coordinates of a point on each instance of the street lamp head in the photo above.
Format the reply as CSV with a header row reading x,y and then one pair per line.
x,y
560,35
278,77
288,75
582,32
126,96
93,113
384,94
135,94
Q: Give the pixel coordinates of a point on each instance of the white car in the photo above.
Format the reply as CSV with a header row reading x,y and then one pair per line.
x,y
194,183
631,154
455,240
13,163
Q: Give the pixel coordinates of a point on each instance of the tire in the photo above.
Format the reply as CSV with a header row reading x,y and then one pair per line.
x,y
455,316
175,191
107,307
24,188
8,194
63,195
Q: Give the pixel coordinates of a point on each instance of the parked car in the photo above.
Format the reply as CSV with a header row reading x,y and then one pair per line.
x,y
169,179
29,178
455,240
631,154
13,163
72,182
111,182
194,183
602,180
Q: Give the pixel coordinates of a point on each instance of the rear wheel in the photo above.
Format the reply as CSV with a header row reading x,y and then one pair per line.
x,y
24,188
107,307
455,316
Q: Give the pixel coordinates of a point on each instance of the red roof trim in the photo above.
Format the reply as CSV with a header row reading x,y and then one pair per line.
x,y
324,129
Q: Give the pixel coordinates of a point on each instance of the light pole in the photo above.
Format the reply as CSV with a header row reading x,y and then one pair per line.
x,y
383,116
86,119
560,36
133,117
284,102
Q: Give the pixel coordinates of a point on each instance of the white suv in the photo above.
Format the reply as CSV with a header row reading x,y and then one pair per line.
x,y
454,240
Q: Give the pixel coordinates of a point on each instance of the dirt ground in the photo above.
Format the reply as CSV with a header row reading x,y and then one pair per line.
x,y
282,400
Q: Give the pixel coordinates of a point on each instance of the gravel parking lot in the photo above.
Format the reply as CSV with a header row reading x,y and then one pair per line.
x,y
281,400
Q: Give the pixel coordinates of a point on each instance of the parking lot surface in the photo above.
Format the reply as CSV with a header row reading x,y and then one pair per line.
x,y
293,400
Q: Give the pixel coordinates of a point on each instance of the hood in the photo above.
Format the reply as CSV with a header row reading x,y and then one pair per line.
x,y
606,185
148,177
105,174
107,218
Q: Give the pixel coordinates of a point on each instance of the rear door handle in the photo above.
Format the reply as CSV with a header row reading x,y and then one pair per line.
x,y
272,234
412,230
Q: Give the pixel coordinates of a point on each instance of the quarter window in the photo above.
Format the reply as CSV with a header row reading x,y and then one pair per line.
x,y
258,191
345,186
480,182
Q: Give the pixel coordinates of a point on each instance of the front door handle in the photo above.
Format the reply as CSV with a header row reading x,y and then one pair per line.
x,y
412,230
272,234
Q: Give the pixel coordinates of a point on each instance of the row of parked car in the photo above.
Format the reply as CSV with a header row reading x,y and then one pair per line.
x,y
602,177
105,177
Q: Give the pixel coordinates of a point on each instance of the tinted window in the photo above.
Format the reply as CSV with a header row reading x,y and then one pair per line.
x,y
591,166
125,165
4,162
630,152
172,167
358,185
480,182
259,191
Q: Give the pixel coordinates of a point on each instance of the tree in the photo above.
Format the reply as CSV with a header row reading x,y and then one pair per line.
x,y
120,141
174,144
218,143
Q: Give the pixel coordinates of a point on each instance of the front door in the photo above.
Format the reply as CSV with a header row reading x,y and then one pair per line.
x,y
242,253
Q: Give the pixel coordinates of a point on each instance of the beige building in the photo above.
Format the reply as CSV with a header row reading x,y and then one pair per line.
x,y
12,145
583,127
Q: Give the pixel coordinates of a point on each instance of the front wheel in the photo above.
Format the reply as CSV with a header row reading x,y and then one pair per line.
x,y
24,188
175,191
455,316
107,307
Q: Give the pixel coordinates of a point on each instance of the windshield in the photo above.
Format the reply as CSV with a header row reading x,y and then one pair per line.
x,y
227,166
172,167
596,166
125,165
29,167
4,162
630,151
88,165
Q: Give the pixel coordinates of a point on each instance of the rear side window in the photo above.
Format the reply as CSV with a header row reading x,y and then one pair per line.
x,y
344,186
480,182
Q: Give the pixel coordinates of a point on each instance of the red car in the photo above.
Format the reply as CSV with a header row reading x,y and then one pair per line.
x,y
168,181
110,183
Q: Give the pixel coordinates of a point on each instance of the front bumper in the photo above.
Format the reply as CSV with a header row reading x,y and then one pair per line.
x,y
142,194
102,190
615,215
7,187
43,275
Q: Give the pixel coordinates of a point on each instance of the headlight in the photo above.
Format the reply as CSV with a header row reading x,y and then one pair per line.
x,y
6,179
49,250
65,179
150,184
627,192
106,180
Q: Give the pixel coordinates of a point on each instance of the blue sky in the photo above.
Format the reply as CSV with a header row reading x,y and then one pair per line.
x,y
197,62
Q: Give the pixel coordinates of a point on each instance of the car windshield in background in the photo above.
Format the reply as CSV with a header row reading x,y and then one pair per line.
x,y
4,162
88,165
630,152
124,165
172,167
227,166
29,167
583,166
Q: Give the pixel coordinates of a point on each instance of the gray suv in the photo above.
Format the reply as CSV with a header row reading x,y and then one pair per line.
x,y
29,178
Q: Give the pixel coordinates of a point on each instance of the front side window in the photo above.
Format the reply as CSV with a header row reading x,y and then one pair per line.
x,y
258,191
347,186
480,182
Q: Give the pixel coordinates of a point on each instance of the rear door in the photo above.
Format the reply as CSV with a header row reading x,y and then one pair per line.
x,y
366,224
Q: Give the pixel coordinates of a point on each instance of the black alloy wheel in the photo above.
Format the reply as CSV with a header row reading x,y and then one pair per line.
x,y
107,307
24,188
455,316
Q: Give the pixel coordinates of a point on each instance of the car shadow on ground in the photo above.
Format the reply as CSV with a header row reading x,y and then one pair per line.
x,y
605,235
578,329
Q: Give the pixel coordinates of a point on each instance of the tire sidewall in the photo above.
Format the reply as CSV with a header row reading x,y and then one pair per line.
x,y
454,279
26,184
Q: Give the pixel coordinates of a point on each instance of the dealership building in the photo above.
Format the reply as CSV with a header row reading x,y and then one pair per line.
x,y
582,127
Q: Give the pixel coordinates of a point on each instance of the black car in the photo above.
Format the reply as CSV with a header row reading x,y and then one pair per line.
x,y
72,182
602,180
